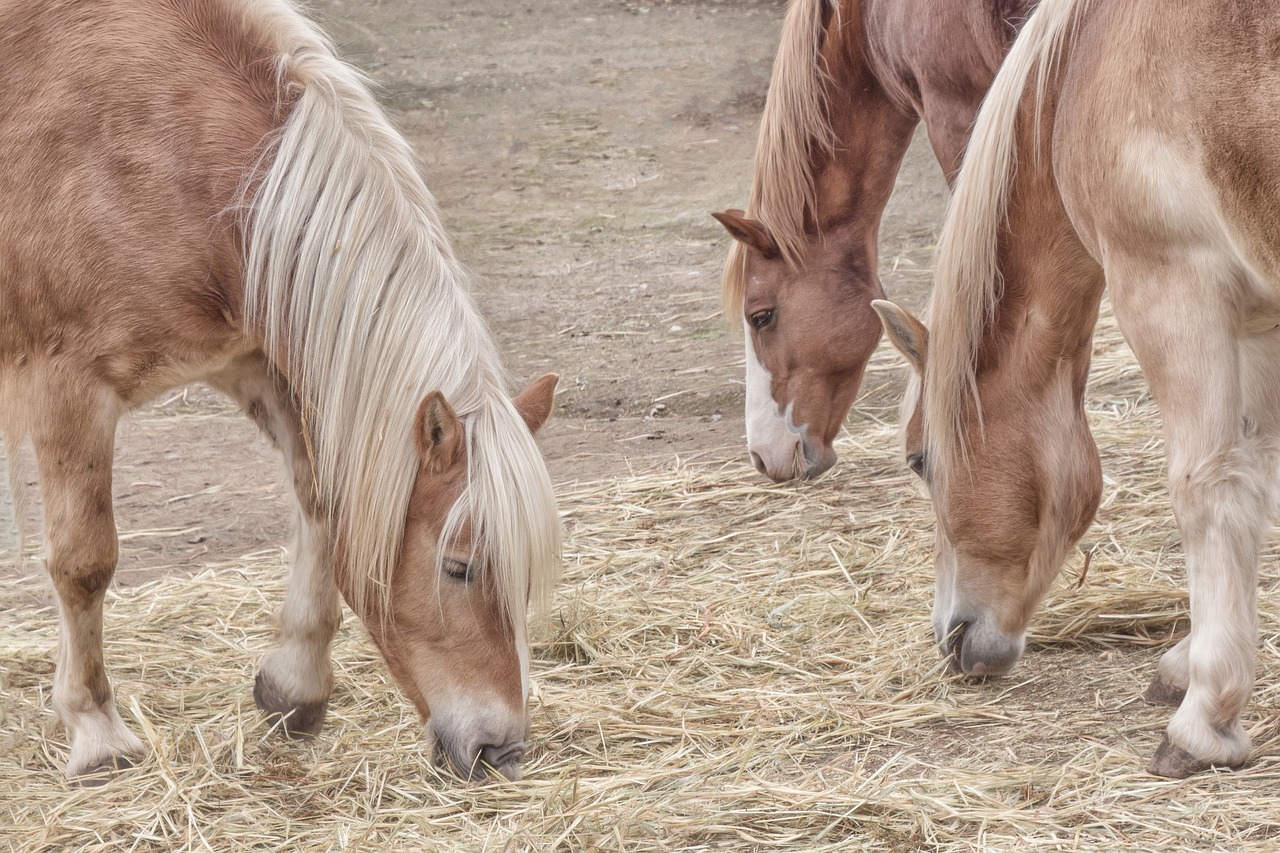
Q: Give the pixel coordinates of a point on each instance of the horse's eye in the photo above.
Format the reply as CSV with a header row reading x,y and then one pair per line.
x,y
457,569
915,461
762,319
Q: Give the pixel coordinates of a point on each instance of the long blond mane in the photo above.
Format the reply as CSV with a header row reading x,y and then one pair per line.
x,y
793,125
350,276
967,280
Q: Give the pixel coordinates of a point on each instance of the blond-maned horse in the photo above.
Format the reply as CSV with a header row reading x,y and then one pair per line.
x,y
203,191
851,80
1137,143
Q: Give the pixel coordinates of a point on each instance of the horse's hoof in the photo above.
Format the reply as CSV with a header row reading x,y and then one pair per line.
x,y
295,719
99,774
1161,692
1174,762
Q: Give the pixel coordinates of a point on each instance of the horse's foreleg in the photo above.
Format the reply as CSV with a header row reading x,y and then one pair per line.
x,y
1221,509
1217,485
296,677
74,445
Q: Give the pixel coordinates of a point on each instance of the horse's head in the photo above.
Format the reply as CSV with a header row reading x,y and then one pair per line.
x,y
448,639
1019,493
809,333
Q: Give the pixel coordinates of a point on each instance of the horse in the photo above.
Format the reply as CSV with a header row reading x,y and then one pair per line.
x,y
204,191
851,80
1134,145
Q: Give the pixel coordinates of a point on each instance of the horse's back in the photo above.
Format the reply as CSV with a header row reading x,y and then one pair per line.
x,y
1167,136
127,129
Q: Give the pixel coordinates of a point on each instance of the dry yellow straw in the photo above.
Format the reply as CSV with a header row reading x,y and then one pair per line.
x,y
730,666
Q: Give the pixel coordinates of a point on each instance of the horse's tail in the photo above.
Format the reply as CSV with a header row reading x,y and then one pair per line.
x,y
794,122
967,282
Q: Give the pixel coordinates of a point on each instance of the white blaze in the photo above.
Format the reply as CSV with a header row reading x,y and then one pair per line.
x,y
770,433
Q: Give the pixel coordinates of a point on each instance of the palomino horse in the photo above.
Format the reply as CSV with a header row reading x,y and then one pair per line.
x,y
850,83
1135,141
201,190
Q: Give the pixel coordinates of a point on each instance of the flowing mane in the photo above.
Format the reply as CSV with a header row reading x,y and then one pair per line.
x,y
351,281
794,123
967,280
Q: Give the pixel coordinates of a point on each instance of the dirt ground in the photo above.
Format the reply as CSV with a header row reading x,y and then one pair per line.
x,y
575,147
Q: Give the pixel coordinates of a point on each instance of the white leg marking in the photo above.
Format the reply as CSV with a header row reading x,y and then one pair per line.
x,y
299,667
298,671
74,444
1216,482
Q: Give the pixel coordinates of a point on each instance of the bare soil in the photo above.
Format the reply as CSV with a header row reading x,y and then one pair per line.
x,y
575,147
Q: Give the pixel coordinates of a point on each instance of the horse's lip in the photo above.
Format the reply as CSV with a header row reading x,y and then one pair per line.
x,y
954,646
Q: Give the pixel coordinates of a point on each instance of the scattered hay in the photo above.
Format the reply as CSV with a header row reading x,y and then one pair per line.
x,y
731,665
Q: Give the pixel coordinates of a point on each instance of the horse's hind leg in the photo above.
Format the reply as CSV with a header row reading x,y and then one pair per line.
x,y
296,677
74,442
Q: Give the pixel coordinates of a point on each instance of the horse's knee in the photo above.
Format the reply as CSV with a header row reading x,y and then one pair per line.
x,y
304,489
81,568
1226,487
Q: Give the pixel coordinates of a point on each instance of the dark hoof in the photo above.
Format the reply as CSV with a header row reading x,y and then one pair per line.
x,y
1162,692
1175,762
294,719
102,772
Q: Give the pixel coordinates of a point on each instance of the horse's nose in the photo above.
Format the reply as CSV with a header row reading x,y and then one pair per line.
x,y
979,650
819,461
780,461
504,758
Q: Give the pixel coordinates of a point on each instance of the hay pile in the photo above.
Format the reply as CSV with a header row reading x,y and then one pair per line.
x,y
730,665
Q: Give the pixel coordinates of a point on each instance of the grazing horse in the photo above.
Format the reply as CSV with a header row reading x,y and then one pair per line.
x,y
1133,143
203,191
851,81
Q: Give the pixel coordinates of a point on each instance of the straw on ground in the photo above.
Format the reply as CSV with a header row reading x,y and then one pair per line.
x,y
730,665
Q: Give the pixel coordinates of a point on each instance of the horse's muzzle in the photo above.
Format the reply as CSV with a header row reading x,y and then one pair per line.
x,y
979,650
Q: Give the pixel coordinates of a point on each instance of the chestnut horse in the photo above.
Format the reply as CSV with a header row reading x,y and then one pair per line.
x,y
851,81
203,191
1133,143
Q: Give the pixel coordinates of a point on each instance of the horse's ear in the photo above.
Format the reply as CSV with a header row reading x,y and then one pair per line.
x,y
439,434
534,403
905,332
749,231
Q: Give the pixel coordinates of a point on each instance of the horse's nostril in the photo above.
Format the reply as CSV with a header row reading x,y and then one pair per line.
x,y
759,463
823,459
500,756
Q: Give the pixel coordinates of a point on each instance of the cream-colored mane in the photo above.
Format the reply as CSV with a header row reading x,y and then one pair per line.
x,y
793,125
967,282
351,278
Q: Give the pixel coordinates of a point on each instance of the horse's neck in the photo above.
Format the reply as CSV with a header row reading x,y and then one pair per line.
x,y
1048,303
891,63
937,58
871,131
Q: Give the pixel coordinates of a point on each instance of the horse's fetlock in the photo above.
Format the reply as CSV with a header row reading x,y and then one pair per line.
x,y
294,718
